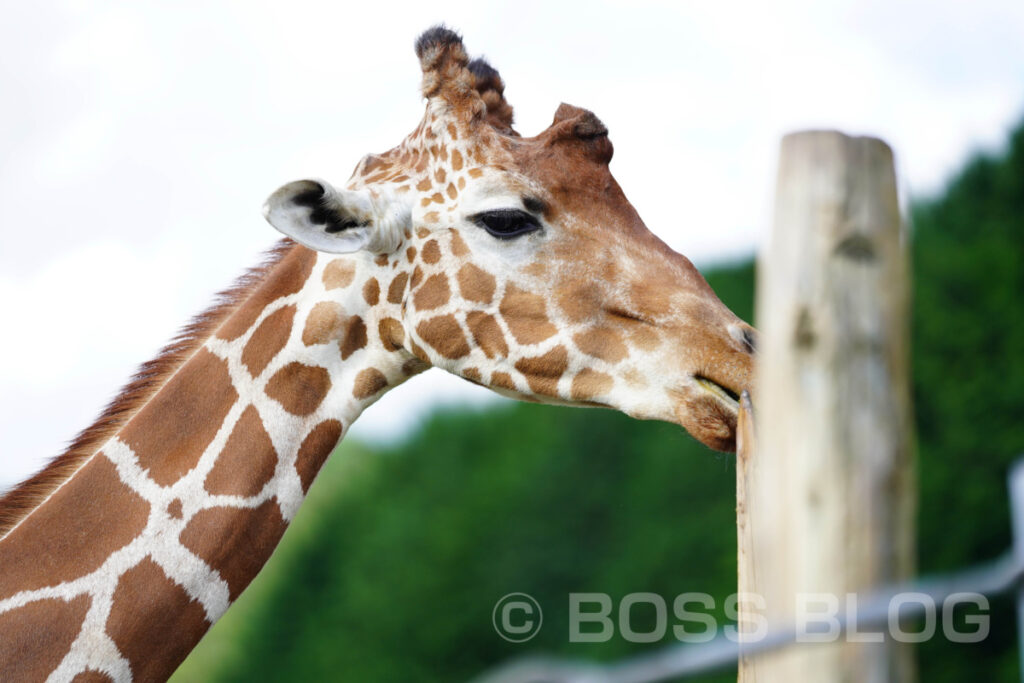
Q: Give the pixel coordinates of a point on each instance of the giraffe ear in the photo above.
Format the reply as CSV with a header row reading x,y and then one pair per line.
x,y
321,217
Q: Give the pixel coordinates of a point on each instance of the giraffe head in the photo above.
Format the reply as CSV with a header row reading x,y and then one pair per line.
x,y
519,264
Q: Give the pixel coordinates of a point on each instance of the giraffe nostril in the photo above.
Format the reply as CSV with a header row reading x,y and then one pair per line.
x,y
750,339
745,335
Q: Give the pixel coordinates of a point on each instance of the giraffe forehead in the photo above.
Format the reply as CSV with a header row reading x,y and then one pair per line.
x,y
499,187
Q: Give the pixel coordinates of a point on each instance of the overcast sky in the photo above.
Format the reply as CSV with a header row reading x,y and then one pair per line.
x,y
138,141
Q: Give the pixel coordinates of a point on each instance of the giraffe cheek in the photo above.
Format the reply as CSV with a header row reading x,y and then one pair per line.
x,y
543,372
487,334
434,293
525,313
476,284
444,335
604,343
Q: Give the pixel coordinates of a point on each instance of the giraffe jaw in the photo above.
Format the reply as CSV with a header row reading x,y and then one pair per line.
x,y
708,411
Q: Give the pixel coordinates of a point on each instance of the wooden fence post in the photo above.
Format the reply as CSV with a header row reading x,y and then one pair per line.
x,y
828,495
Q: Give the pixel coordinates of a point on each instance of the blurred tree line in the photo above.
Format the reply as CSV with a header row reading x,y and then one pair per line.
x,y
393,566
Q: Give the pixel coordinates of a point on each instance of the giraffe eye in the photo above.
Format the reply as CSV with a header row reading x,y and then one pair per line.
x,y
506,223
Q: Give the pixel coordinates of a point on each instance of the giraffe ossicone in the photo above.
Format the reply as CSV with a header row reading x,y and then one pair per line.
x,y
516,263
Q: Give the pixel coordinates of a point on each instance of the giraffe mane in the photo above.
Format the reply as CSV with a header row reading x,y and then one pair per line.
x,y
23,498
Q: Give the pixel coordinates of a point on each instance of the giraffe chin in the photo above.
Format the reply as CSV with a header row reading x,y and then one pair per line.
x,y
709,413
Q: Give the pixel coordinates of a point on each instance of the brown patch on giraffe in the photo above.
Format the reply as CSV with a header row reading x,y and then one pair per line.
x,y
444,335
153,621
410,254
580,303
526,316
635,378
288,277
543,372
392,334
299,388
354,338
472,374
381,260
644,337
91,676
589,384
462,183
610,271
170,433
432,217
503,380
323,323
653,299
397,287
437,198
174,509
268,340
487,334
475,172
369,381
456,160
417,276
373,162
440,176
476,284
538,269
452,191
459,248
422,232
37,635
424,185
247,462
314,450
433,293
452,132
601,342
339,274
371,291
431,252
236,542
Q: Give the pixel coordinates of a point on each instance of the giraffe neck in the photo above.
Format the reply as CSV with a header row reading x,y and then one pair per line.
x,y
122,569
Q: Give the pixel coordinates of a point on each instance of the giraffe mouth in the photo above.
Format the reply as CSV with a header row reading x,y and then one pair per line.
x,y
724,394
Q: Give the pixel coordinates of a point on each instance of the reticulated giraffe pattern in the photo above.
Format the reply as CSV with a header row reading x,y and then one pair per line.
x,y
516,263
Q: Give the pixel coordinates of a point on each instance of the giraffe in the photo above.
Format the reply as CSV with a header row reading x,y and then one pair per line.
x,y
516,263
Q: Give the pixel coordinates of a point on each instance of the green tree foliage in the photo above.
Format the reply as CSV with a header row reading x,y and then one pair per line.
x,y
968,372
391,570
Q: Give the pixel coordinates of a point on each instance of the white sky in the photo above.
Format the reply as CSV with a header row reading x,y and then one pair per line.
x,y
138,141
